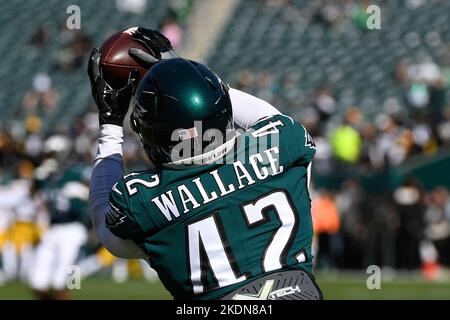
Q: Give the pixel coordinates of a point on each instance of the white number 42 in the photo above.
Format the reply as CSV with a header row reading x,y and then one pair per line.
x,y
207,236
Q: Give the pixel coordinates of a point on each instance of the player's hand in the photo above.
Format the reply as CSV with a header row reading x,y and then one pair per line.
x,y
112,104
159,47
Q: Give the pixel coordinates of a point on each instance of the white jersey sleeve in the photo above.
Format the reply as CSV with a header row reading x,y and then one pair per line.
x,y
248,109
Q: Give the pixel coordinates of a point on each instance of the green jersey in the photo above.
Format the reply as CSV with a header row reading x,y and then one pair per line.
x,y
208,229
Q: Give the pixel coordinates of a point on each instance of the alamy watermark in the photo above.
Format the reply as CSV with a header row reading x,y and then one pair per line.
x,y
73,280
373,21
73,21
374,279
223,146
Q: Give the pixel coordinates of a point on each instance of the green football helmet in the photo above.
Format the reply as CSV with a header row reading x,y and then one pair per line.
x,y
182,113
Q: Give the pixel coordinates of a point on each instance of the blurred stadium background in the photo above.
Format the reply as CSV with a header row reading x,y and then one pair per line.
x,y
376,101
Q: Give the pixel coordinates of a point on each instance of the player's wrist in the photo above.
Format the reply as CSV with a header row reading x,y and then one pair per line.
x,y
109,141
111,130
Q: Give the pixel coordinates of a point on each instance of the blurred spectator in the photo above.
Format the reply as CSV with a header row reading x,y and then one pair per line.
x,y
425,70
418,95
349,202
265,89
40,37
360,15
371,155
42,98
173,31
326,222
323,159
325,103
437,221
179,9
327,14
383,227
245,81
74,50
401,72
346,140
408,200
443,128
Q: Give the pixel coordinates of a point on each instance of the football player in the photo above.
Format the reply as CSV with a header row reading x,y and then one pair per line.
x,y
65,195
20,212
222,215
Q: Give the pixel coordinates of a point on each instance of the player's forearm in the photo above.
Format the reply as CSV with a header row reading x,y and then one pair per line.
x,y
108,169
248,109
105,174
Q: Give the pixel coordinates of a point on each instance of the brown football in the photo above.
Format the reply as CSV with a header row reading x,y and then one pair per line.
x,y
115,62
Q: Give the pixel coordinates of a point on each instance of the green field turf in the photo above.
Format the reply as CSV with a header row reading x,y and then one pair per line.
x,y
334,287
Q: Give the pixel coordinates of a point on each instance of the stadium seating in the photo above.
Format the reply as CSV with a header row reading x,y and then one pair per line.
x,y
357,64
20,60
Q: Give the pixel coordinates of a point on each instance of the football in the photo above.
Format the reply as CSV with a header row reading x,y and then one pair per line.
x,y
115,62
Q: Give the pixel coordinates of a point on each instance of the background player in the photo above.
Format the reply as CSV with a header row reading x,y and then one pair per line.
x,y
65,195
22,222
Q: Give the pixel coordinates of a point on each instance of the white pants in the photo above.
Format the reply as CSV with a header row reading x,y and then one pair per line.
x,y
15,263
57,251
